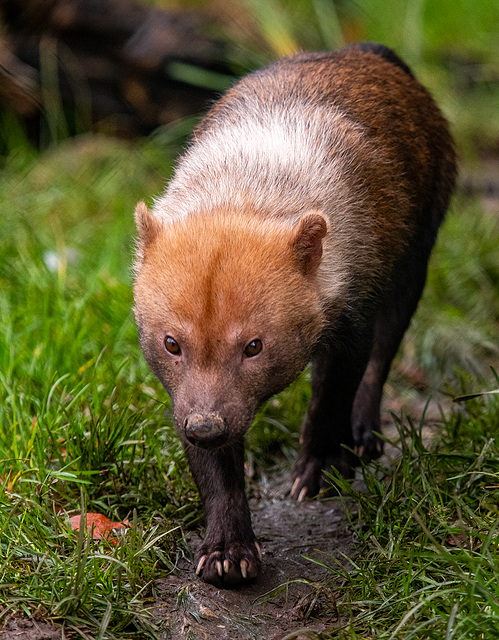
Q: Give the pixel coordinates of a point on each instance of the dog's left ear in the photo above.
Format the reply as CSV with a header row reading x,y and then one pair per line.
x,y
306,242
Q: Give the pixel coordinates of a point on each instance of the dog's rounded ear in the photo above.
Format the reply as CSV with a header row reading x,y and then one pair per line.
x,y
147,225
306,242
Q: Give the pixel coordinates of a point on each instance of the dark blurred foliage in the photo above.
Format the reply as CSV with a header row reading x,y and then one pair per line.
x,y
116,65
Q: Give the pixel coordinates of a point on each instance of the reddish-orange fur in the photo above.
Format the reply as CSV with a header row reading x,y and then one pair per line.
x,y
211,281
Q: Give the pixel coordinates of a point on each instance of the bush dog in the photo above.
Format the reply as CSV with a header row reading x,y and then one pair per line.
x,y
297,227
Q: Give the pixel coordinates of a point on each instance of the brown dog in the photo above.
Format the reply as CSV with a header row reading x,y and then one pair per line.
x,y
297,227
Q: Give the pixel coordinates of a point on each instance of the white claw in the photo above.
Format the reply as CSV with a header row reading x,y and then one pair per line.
x,y
218,565
259,551
303,494
226,566
244,568
295,487
200,565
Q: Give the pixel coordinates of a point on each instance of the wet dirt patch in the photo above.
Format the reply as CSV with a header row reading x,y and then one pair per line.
x,y
297,539
20,628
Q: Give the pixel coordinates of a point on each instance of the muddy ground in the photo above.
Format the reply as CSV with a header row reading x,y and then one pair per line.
x,y
288,531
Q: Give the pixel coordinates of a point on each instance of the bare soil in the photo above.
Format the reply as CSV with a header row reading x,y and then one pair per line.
x,y
19,628
290,593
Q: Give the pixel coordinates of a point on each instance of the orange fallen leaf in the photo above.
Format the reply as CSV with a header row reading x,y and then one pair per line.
x,y
101,527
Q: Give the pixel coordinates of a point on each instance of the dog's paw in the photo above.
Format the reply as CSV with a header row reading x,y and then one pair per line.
x,y
228,564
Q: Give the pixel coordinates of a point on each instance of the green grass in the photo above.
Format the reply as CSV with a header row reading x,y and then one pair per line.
x,y
84,426
428,538
82,419
456,326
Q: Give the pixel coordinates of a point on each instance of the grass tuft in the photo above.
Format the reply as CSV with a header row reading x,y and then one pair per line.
x,y
427,536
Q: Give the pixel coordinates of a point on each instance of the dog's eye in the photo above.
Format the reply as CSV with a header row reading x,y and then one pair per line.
x,y
172,346
253,348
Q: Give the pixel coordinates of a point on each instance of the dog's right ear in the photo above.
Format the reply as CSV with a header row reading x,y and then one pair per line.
x,y
147,225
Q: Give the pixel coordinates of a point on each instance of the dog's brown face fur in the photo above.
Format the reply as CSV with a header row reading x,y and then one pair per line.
x,y
227,309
